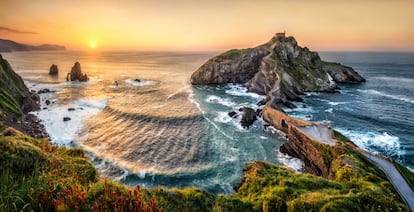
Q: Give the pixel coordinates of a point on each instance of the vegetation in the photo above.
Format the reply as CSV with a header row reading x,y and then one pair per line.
x,y
231,54
36,175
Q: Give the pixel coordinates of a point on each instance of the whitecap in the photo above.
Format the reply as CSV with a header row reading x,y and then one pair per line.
x,y
64,132
140,83
374,141
294,163
238,90
222,117
394,96
219,100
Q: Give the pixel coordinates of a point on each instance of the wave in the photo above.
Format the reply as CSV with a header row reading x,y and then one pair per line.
x,y
294,163
219,100
238,90
222,117
140,83
396,79
64,132
374,141
193,101
395,97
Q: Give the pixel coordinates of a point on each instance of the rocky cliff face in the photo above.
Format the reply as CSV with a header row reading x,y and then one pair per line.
x,y
280,69
16,101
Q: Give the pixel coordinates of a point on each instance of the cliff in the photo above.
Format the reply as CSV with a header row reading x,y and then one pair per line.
x,y
16,101
10,46
280,69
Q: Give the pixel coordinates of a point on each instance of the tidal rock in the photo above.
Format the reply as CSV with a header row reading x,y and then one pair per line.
x,y
53,70
248,117
66,118
137,80
76,74
45,90
232,114
47,102
279,69
71,109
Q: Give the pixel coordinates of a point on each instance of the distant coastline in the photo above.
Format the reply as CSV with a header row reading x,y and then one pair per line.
x,y
11,46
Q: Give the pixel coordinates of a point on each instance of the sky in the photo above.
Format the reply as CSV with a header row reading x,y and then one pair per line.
x,y
352,25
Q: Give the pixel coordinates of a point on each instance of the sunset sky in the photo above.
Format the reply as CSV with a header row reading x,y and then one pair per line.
x,y
209,25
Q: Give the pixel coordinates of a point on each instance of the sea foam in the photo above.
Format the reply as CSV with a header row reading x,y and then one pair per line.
x,y
63,132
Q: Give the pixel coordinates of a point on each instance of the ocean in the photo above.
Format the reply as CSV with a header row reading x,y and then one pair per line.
x,y
161,130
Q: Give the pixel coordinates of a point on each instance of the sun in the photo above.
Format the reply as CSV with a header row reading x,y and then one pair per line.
x,y
92,44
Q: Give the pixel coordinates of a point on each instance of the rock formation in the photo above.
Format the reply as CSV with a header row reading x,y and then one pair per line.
x,y
76,74
248,117
16,101
280,69
53,70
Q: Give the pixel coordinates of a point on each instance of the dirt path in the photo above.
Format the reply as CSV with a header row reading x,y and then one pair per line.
x,y
395,178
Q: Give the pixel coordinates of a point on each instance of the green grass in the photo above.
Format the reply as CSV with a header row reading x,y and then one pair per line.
x,y
8,103
231,54
35,175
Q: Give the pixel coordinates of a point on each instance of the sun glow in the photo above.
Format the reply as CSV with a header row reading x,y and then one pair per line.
x,y
92,44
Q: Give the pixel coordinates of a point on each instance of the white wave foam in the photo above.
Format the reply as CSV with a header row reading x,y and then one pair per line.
x,y
374,141
193,101
222,101
238,90
140,83
395,97
294,163
222,117
63,132
396,79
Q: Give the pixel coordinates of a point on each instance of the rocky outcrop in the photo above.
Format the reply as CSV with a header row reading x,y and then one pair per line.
x,y
76,74
53,71
248,117
16,101
280,69
16,98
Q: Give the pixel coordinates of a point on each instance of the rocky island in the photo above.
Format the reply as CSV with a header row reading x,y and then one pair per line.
x,y
279,69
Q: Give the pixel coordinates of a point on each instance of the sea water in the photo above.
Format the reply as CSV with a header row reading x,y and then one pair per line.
x,y
160,130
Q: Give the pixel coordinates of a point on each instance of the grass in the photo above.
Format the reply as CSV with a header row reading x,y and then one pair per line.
x,y
231,54
36,175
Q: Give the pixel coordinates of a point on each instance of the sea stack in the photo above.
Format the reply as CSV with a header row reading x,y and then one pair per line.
x,y
76,74
53,71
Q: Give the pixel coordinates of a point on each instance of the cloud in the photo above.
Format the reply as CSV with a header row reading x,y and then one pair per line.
x,y
6,29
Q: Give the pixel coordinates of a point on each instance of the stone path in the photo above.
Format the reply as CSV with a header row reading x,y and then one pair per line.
x,y
397,180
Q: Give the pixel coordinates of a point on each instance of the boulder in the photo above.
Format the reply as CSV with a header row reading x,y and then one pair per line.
x,y
53,71
76,74
232,114
248,117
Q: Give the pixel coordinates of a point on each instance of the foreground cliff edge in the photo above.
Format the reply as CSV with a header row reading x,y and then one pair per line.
x,y
36,175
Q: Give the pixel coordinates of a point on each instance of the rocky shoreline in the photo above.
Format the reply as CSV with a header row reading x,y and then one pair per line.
x,y
18,102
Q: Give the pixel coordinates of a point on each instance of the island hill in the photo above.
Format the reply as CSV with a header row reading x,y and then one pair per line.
x,y
10,46
36,175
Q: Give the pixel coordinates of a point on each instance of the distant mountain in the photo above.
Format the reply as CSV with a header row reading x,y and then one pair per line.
x,y
9,46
